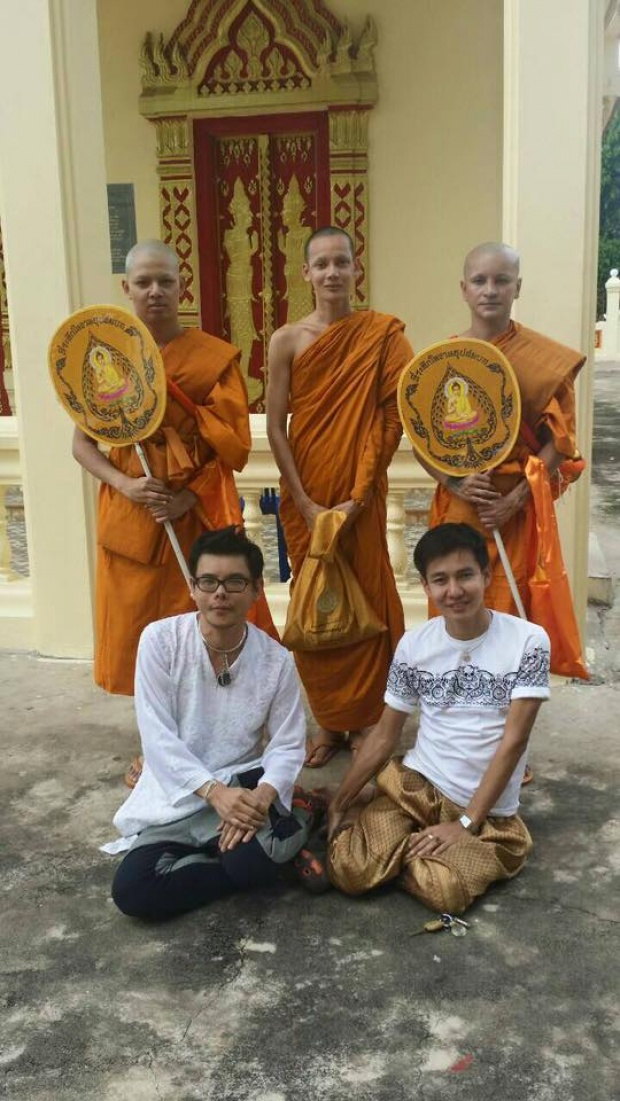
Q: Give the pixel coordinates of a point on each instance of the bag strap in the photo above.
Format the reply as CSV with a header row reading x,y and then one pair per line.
x,y
529,438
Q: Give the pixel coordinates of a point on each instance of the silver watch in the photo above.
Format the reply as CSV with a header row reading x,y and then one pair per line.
x,y
467,823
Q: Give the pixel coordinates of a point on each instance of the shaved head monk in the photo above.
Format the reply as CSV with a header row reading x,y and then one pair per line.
x,y
515,497
204,436
336,372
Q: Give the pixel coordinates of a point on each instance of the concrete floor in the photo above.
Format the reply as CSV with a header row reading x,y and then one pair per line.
x,y
281,997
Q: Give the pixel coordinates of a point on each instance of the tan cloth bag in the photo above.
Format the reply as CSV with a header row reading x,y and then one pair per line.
x,y
328,608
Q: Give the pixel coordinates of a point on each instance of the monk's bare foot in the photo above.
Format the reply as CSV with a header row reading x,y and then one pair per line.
x,y
325,745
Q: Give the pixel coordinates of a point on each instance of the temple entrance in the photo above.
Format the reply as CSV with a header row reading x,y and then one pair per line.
x,y
262,186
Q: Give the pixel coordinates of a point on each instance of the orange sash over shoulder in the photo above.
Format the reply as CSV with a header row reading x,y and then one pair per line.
x,y
343,432
546,372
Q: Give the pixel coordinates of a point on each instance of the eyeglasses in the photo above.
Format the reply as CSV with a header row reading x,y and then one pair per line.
x,y
236,583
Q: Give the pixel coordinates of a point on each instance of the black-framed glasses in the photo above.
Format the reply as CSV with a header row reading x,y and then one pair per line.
x,y
208,583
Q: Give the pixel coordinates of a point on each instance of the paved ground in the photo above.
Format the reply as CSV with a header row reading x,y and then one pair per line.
x,y
280,997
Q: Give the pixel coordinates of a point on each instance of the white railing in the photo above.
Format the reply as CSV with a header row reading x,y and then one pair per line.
x,y
16,610
607,344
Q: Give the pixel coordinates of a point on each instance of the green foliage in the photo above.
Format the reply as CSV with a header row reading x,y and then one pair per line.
x,y
608,258
609,226
610,178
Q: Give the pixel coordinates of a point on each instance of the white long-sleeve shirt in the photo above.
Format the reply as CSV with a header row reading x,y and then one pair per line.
x,y
194,730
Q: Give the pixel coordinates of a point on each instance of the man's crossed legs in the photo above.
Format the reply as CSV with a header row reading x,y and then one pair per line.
x,y
179,866
373,850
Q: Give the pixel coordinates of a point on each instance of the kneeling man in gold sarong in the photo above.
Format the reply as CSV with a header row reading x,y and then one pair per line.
x,y
444,822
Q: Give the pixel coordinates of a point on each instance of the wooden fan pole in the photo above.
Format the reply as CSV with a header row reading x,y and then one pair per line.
x,y
516,595
168,526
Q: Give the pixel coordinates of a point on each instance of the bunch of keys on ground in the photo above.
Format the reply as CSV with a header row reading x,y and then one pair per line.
x,y
451,924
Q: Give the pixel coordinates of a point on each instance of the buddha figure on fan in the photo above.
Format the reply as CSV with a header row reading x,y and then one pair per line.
x,y
110,382
460,412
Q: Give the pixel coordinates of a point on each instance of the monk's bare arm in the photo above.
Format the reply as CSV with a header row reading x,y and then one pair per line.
x,y
280,361
142,491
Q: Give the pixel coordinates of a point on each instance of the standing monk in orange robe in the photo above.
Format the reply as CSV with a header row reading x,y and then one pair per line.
x,y
337,371
203,437
515,497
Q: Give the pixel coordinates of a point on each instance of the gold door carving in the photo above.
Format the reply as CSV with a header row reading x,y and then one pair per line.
x,y
291,242
260,189
240,245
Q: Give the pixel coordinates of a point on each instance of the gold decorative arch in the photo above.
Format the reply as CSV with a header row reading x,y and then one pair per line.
x,y
235,58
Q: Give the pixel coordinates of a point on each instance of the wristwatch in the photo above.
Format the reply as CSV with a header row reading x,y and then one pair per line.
x,y
467,823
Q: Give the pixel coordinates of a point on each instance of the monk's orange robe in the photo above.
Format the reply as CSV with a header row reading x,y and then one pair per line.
x,y
343,432
138,577
546,372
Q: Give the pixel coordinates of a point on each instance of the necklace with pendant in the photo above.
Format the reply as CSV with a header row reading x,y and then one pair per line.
x,y
224,677
468,650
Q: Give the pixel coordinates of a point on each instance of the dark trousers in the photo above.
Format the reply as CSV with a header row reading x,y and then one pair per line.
x,y
159,881
167,877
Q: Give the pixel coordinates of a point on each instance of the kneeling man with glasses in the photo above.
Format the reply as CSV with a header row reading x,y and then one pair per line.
x,y
223,735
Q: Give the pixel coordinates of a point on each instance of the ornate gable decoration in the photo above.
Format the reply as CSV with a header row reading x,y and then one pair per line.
x,y
228,55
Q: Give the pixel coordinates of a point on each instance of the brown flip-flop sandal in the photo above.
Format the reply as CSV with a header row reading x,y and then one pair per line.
x,y
134,771
329,746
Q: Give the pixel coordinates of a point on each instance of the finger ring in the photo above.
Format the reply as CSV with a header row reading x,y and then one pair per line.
x,y
430,836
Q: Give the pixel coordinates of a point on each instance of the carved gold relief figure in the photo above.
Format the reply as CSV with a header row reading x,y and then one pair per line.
x,y
291,240
240,245
264,183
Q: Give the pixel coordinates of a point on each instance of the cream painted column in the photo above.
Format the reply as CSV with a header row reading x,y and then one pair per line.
x,y
54,223
553,71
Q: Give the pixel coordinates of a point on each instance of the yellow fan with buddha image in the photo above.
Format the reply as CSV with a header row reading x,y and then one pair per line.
x,y
109,375
460,405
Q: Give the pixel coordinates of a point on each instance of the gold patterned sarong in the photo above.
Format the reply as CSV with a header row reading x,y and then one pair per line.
x,y
373,850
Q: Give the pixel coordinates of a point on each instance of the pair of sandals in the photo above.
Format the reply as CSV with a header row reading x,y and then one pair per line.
x,y
328,743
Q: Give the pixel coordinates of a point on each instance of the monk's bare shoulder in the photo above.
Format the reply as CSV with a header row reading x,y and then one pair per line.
x,y
292,339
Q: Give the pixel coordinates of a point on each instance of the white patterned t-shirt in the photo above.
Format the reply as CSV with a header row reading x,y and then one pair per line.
x,y
464,691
